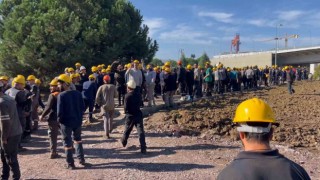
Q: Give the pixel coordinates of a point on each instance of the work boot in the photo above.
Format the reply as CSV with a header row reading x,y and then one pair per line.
x,y
70,166
54,155
124,142
143,150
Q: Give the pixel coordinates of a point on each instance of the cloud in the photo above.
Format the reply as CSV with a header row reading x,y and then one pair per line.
x,y
257,22
289,15
155,25
218,16
185,34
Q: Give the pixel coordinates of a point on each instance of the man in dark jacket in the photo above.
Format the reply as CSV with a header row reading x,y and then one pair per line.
x,y
89,92
169,87
190,82
120,83
51,110
10,132
290,77
133,116
181,79
70,108
255,118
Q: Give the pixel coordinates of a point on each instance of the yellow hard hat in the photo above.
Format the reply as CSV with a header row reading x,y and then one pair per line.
x,y
254,110
155,69
102,65
6,78
54,82
99,67
37,81
94,68
70,70
136,61
73,76
64,78
77,74
189,67
31,77
148,66
167,64
108,69
19,80
140,66
103,70
78,64
92,76
167,69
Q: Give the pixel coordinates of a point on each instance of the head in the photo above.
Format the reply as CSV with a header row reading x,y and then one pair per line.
x,y
254,118
106,79
195,66
4,80
136,64
120,67
64,82
83,70
78,65
92,77
131,85
31,79
179,63
54,85
70,70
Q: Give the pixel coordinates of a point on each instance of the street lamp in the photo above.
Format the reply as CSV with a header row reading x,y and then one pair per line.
x,y
277,38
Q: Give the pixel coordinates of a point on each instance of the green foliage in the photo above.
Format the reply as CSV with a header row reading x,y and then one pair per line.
x,y
316,75
203,59
157,62
41,37
173,63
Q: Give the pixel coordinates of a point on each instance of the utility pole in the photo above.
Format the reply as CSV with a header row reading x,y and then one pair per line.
x,y
277,38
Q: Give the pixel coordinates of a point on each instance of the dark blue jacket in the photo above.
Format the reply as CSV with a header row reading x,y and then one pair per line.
x,y
89,90
70,108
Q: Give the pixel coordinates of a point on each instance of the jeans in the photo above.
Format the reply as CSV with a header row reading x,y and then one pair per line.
x,y
197,89
136,121
168,98
150,94
9,158
89,103
182,88
108,118
290,87
53,131
67,133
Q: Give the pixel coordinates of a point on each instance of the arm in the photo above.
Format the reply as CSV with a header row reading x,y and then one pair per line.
x,y
59,108
47,108
5,123
41,103
98,96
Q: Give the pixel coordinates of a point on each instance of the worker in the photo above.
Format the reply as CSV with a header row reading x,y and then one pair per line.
x,y
78,65
157,87
71,71
181,80
34,90
5,82
11,132
133,116
120,83
73,81
150,84
105,99
83,75
255,118
290,77
197,76
249,77
208,79
53,125
190,82
89,93
169,87
70,109
135,74
22,101
38,83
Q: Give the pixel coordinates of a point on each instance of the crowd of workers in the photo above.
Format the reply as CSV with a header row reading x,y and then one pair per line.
x,y
75,91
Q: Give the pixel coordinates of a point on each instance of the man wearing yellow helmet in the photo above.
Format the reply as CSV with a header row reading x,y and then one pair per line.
x,y
17,92
70,109
89,94
255,118
169,87
78,65
6,85
34,89
11,132
136,75
51,110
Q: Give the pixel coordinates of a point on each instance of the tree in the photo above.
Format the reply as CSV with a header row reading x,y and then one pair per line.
x,y
42,36
316,75
203,59
156,62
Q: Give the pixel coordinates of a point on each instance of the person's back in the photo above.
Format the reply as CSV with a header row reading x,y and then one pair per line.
x,y
70,108
132,101
252,165
89,90
106,94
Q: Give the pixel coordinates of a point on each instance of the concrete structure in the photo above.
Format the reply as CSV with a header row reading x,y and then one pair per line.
x,y
294,57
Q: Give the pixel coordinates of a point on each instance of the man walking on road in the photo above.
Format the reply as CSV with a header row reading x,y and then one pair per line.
x,y
10,132
105,99
258,161
133,116
70,108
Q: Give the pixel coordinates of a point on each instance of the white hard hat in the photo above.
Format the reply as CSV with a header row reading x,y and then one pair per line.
x,y
82,68
131,84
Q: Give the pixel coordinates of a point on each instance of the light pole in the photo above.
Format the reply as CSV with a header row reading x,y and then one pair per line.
x,y
277,38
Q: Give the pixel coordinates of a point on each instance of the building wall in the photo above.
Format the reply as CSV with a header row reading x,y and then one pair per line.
x,y
246,59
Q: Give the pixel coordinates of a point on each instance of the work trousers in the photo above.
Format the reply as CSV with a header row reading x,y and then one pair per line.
x,y
121,94
67,134
150,94
190,91
197,89
9,158
168,98
290,87
182,88
89,103
53,131
108,119
136,121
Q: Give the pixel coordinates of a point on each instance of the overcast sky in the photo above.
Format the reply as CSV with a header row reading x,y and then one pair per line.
x,y
197,26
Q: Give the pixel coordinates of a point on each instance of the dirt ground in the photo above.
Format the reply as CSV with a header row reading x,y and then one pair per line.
x,y
190,142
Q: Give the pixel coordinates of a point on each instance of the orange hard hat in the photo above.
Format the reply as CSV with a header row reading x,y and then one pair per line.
x,y
106,78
